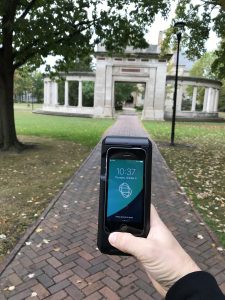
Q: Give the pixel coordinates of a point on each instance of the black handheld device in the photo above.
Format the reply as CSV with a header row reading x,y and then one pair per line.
x,y
125,189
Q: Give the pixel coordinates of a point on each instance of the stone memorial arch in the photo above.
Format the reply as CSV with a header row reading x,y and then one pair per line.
x,y
144,66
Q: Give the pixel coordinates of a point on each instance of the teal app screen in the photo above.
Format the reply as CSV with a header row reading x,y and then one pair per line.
x,y
125,190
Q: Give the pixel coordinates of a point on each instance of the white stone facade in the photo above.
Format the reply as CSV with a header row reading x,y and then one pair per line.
x,y
139,66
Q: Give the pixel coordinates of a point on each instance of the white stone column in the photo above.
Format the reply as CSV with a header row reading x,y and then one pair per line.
x,y
205,99
216,101
160,90
148,110
80,94
211,108
194,97
66,103
54,93
209,100
179,97
108,107
46,92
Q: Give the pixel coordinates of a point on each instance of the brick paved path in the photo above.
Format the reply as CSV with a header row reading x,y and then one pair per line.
x,y
60,260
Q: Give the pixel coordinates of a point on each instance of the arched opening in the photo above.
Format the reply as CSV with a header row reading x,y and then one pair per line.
x,y
129,95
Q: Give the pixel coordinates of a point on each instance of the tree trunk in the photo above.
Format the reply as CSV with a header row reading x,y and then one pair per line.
x,y
8,138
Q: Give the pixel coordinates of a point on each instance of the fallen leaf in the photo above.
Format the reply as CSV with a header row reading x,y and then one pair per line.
x,y
57,249
200,237
45,241
220,249
78,281
2,236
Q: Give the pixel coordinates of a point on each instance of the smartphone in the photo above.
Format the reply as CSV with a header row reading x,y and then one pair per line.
x,y
125,188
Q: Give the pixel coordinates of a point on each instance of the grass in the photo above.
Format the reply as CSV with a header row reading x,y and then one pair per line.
x,y
31,179
198,160
80,130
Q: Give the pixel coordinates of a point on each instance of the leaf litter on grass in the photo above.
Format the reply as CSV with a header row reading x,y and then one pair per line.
x,y
29,181
200,167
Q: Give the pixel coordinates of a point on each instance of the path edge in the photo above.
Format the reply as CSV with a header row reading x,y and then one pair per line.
x,y
30,230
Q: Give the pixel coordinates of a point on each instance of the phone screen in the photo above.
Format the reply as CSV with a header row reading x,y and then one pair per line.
x,y
125,190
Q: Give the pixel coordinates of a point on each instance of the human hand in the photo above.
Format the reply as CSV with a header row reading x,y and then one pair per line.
x,y
164,260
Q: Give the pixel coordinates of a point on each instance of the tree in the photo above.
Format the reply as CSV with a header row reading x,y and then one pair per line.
x,y
38,86
30,30
203,68
200,17
123,92
22,82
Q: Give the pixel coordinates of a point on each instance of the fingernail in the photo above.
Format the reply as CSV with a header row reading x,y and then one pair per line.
x,y
112,238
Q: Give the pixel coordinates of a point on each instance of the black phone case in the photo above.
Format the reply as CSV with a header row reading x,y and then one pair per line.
x,y
122,142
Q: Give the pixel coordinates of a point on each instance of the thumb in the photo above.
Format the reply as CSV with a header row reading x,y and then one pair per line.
x,y
128,243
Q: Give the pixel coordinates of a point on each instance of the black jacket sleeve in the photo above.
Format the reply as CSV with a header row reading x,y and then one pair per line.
x,y
195,286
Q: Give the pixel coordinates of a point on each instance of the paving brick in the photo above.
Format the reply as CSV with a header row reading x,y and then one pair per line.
x,y
94,296
128,279
45,280
95,277
82,273
87,256
111,273
59,286
92,288
143,296
58,296
14,279
97,268
108,293
54,262
78,282
112,284
128,290
50,271
42,293
74,292
63,276
20,296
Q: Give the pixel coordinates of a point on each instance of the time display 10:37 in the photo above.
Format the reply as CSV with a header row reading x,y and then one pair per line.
x,y
126,171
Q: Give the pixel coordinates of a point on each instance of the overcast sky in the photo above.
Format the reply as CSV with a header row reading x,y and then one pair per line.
x,y
152,37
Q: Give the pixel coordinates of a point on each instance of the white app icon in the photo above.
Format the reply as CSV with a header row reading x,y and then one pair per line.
x,y
125,190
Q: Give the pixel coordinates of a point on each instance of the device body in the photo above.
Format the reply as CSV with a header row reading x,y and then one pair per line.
x,y
125,189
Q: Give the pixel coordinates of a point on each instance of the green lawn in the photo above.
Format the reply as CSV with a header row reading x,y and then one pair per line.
x,y
80,130
198,160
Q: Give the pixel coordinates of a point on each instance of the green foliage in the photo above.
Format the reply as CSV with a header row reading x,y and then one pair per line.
x,y
123,92
26,81
88,93
67,28
222,97
73,93
203,66
201,17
